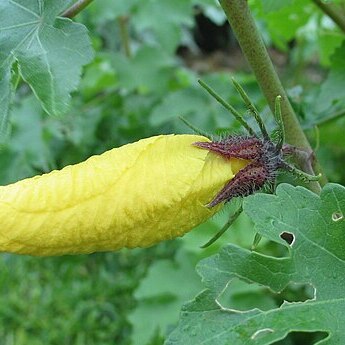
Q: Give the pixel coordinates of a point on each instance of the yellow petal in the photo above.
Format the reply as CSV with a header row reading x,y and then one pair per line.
x,y
133,196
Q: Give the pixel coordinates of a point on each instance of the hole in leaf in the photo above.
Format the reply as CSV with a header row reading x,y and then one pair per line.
x,y
242,296
302,338
288,237
295,292
337,216
239,295
272,248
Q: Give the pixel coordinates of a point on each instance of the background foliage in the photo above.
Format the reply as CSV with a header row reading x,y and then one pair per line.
x,y
142,73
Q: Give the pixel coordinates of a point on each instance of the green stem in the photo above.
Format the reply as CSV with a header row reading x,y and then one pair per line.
x,y
249,38
195,129
252,109
76,8
279,120
226,226
333,12
227,106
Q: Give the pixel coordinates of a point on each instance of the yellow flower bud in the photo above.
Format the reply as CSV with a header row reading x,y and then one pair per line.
x,y
133,196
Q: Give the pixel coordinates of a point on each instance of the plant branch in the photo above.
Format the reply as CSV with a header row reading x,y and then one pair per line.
x,y
333,12
331,118
123,24
76,8
249,38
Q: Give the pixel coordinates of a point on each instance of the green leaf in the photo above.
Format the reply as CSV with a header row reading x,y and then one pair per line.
x,y
316,257
50,52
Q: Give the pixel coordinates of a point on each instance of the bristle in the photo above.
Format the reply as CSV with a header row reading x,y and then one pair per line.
x,y
265,163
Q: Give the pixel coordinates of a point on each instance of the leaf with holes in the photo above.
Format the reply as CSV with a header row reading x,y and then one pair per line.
x,y
48,50
313,229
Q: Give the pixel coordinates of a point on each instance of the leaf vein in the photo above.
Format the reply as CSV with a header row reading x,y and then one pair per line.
x,y
24,8
18,25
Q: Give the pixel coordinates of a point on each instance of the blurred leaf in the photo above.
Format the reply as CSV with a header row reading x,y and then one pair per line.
x,y
179,103
316,225
284,21
275,5
106,10
27,153
167,32
49,51
71,300
99,75
160,296
329,39
149,70
332,90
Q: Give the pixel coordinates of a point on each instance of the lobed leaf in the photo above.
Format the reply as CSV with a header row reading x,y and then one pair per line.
x,y
49,51
316,257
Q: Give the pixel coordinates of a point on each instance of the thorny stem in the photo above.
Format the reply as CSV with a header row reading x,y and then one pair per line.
x,y
251,108
195,129
333,12
300,174
76,8
249,38
279,119
226,226
304,157
227,106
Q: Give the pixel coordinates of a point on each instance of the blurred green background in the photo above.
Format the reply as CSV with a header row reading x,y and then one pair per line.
x,y
149,56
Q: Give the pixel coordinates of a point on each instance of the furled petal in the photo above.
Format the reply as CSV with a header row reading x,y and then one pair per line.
x,y
133,196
